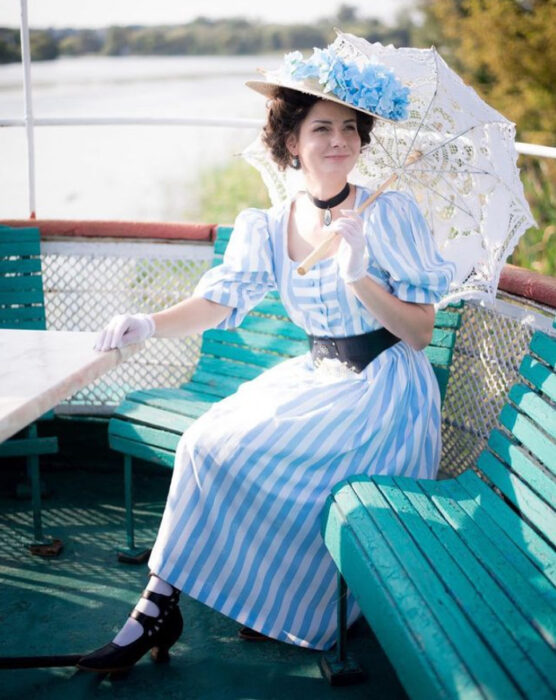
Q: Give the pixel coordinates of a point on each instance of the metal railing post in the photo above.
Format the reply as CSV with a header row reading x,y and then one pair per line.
x,y
28,116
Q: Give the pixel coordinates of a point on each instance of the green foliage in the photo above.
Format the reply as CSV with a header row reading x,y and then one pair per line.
x,y
506,50
44,47
225,191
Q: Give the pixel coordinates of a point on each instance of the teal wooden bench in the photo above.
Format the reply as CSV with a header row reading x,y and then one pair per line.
x,y
22,307
457,577
148,424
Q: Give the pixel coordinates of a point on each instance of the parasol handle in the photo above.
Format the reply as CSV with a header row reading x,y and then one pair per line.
x,y
320,252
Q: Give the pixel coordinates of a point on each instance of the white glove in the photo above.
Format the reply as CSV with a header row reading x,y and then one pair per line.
x,y
352,253
125,330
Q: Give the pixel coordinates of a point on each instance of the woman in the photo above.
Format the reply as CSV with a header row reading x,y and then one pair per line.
x,y
240,531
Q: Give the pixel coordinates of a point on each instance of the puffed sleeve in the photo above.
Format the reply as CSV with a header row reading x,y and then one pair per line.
x,y
246,273
400,243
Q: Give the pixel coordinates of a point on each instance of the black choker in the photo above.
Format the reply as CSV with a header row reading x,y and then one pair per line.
x,y
327,204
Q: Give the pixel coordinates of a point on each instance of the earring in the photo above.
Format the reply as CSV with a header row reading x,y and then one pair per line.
x,y
295,163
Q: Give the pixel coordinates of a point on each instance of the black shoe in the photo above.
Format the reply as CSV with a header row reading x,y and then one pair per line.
x,y
159,634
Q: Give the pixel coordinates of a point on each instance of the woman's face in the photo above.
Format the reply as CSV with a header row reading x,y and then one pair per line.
x,y
328,143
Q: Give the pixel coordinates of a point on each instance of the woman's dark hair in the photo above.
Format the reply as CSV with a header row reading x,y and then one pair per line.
x,y
286,110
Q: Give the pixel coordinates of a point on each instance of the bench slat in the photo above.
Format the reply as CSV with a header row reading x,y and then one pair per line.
x,y
142,451
545,347
394,607
19,266
524,465
227,368
539,375
21,298
239,354
16,447
529,435
439,356
211,384
524,536
502,541
21,248
474,653
17,283
526,501
495,596
156,417
142,433
521,591
258,341
280,328
530,403
460,587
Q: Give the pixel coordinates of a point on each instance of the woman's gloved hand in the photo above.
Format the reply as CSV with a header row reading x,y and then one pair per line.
x,y
352,252
124,330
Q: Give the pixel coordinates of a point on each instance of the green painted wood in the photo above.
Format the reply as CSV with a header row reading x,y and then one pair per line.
x,y
521,462
9,298
283,329
539,375
152,416
531,543
516,663
142,451
25,234
544,347
240,354
223,233
20,266
272,307
13,248
227,368
19,283
258,341
25,447
529,435
401,618
533,405
187,394
522,592
525,499
37,325
443,338
144,434
439,356
447,319
502,541
442,376
22,313
213,384
476,656
220,246
497,598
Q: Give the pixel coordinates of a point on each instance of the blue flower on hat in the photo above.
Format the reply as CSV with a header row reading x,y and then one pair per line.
x,y
374,88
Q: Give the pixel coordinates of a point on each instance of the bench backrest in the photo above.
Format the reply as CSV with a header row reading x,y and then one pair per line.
x,y
521,456
21,291
267,336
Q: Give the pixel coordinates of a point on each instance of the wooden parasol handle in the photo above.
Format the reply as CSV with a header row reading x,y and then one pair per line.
x,y
320,252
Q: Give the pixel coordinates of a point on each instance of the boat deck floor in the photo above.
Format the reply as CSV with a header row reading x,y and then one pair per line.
x,y
77,601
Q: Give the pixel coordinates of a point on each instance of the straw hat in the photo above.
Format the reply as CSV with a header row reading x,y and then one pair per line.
x,y
372,89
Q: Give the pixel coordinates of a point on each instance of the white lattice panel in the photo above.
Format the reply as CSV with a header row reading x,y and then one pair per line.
x,y
83,290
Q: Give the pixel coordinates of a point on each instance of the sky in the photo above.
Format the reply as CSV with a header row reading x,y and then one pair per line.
x,y
102,13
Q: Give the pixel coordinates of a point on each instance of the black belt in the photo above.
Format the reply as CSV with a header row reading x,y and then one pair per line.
x,y
355,351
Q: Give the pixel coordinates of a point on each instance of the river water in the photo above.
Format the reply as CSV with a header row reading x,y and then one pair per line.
x,y
124,172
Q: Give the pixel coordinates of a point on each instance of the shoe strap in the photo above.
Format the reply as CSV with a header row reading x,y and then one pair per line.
x,y
161,600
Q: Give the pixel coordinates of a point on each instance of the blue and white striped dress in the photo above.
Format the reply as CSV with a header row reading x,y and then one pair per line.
x,y
241,528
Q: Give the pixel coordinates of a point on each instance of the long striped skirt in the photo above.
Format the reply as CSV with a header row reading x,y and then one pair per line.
x,y
241,527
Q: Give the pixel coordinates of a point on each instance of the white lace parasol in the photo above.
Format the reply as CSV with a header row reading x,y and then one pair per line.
x,y
466,182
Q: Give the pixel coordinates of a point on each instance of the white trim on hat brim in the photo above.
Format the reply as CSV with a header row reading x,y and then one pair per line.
x,y
268,89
